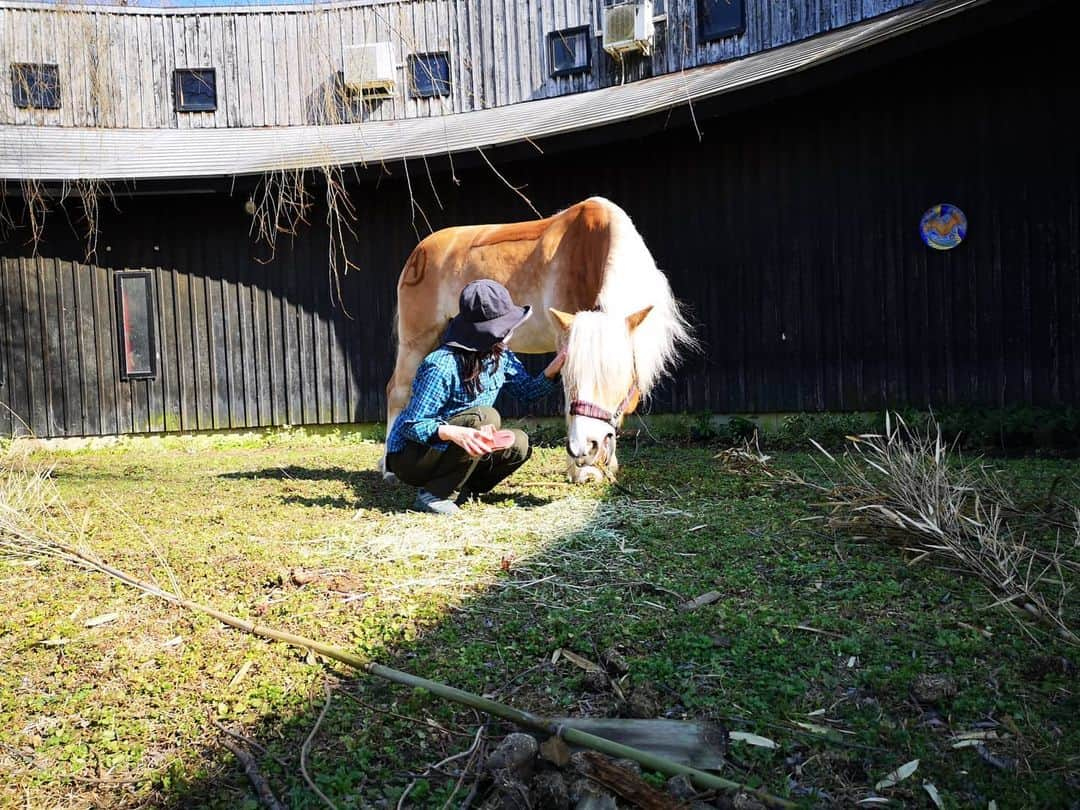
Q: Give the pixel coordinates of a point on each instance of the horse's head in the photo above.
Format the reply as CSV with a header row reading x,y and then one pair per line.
x,y
600,381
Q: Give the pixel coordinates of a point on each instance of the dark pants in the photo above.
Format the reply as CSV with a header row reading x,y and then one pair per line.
x,y
441,472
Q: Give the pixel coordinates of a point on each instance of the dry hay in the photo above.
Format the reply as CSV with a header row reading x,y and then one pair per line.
x,y
909,488
29,506
482,538
572,543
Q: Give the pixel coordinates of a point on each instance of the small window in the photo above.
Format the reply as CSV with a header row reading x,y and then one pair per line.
x,y
569,51
36,86
429,74
135,324
195,89
721,18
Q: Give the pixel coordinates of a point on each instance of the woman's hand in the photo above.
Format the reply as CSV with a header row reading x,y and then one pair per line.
x,y
555,366
469,439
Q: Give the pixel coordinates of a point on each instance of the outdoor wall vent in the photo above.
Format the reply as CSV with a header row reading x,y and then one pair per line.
x,y
369,69
628,27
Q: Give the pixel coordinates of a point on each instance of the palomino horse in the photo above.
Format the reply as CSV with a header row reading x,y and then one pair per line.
x,y
592,284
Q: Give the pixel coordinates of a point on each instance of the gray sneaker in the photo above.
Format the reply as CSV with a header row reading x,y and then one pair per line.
x,y
426,502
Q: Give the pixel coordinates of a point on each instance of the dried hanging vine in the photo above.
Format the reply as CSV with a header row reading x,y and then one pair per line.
x,y
283,199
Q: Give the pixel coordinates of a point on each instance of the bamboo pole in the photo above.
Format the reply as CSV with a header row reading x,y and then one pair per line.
x,y
527,720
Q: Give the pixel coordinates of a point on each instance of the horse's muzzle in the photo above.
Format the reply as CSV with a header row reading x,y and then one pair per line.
x,y
593,452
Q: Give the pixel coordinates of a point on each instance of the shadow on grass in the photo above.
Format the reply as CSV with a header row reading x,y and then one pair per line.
x,y
804,622
376,737
369,490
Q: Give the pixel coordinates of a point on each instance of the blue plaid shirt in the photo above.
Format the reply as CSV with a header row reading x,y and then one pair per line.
x,y
438,394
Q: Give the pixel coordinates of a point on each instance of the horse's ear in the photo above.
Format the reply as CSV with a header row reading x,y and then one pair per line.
x,y
634,321
564,319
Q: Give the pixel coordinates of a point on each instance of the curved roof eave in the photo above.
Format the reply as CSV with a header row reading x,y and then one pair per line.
x,y
59,153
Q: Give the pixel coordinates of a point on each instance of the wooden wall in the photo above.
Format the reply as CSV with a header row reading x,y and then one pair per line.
x,y
278,68
791,230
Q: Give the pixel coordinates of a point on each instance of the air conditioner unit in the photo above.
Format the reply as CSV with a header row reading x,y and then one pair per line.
x,y
369,69
628,27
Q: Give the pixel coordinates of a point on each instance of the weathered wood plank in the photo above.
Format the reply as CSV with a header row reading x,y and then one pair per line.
x,y
403,26
167,349
157,113
17,392
231,369
256,384
37,415
131,74
200,355
70,371
49,316
247,377
8,409
113,87
216,58
217,329
290,344
186,373
275,344
306,356
148,102
296,77
264,104
231,81
244,92
203,40
105,348
82,32
338,330
278,69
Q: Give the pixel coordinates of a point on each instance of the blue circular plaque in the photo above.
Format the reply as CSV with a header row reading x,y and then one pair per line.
x,y
943,227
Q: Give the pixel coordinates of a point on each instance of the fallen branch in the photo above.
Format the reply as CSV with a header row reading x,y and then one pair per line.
x,y
52,548
30,508
254,775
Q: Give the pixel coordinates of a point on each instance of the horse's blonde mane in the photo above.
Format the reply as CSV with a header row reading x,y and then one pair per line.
x,y
632,282
598,361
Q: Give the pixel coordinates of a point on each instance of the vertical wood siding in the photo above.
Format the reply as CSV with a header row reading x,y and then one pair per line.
x,y
279,68
790,230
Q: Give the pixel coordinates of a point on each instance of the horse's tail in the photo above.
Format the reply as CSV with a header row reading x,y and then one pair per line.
x,y
632,281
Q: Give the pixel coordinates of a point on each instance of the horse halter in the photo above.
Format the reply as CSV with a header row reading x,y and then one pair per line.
x,y
580,407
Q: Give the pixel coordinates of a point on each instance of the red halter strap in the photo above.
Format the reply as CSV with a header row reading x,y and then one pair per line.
x,y
580,407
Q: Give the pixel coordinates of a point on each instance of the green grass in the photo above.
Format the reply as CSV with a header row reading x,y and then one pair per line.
x,y
807,622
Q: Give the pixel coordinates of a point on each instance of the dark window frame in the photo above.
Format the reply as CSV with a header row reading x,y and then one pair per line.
x,y
21,90
436,92
724,33
178,91
151,316
562,33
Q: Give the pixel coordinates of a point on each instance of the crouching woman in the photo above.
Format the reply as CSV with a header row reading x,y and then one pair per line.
x,y
444,441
